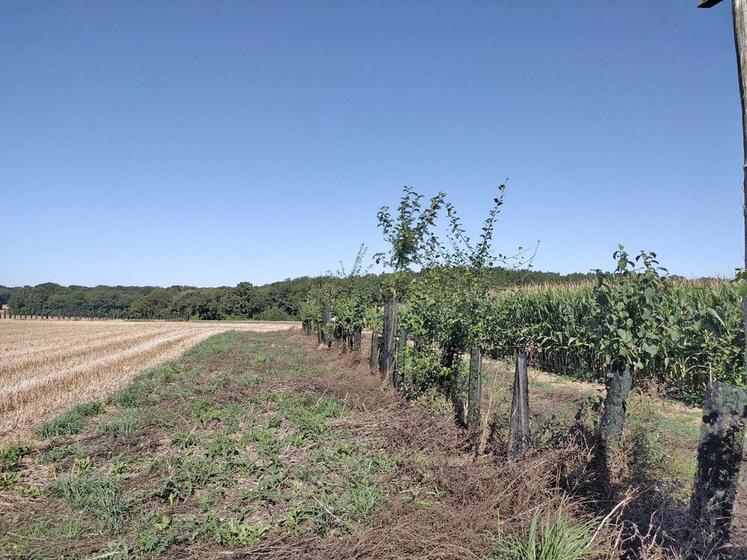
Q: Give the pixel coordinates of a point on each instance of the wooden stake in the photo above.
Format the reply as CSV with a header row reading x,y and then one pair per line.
x,y
388,348
326,338
373,357
399,374
474,392
518,435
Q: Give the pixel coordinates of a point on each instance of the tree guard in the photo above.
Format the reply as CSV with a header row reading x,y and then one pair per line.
x,y
719,459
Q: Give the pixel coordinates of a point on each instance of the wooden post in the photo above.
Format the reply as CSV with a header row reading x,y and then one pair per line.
x,y
518,434
474,392
399,373
318,333
357,339
739,17
451,359
719,458
373,357
326,338
613,419
388,347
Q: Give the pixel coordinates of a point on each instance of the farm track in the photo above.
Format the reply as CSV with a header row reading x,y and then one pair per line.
x,y
47,366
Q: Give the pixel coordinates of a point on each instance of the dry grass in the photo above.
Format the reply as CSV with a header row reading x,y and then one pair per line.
x,y
47,366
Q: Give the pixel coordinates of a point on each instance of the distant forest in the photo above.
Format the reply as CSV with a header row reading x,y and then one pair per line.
x,y
270,302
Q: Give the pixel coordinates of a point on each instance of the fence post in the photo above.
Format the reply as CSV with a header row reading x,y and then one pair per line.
x,y
719,459
474,393
388,346
613,419
518,434
399,373
326,338
373,358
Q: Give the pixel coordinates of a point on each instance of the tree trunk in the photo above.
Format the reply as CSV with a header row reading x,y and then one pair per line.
x,y
719,458
613,420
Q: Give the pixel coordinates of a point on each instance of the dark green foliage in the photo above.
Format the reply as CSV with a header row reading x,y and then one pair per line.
x,y
10,458
676,332
276,301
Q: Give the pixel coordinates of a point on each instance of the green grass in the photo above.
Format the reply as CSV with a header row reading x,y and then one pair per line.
x,y
660,435
555,538
199,451
125,424
70,422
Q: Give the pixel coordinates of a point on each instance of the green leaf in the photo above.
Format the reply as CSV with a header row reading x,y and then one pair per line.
x,y
716,316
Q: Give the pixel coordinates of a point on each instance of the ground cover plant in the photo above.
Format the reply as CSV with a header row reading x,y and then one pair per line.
x,y
263,446
259,445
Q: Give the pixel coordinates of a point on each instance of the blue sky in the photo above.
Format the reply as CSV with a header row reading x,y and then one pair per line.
x,y
207,143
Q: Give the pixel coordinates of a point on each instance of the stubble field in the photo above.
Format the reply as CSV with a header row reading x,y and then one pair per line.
x,y
47,366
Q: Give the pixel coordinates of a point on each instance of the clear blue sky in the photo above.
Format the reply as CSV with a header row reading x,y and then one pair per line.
x,y
207,143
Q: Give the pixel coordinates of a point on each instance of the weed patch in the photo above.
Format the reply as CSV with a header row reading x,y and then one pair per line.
x,y
71,422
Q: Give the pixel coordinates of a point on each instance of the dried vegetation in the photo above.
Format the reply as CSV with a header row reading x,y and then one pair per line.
x,y
46,366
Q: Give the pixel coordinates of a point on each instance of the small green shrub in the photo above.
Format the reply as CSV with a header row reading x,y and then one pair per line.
x,y
186,476
424,371
234,532
10,457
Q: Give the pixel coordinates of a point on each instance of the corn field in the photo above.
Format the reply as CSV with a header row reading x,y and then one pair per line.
x,y
695,332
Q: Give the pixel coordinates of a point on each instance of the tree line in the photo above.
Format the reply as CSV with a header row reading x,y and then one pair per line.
x,y
270,302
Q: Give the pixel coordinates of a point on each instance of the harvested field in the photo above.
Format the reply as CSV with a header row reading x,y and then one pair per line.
x,y
47,366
